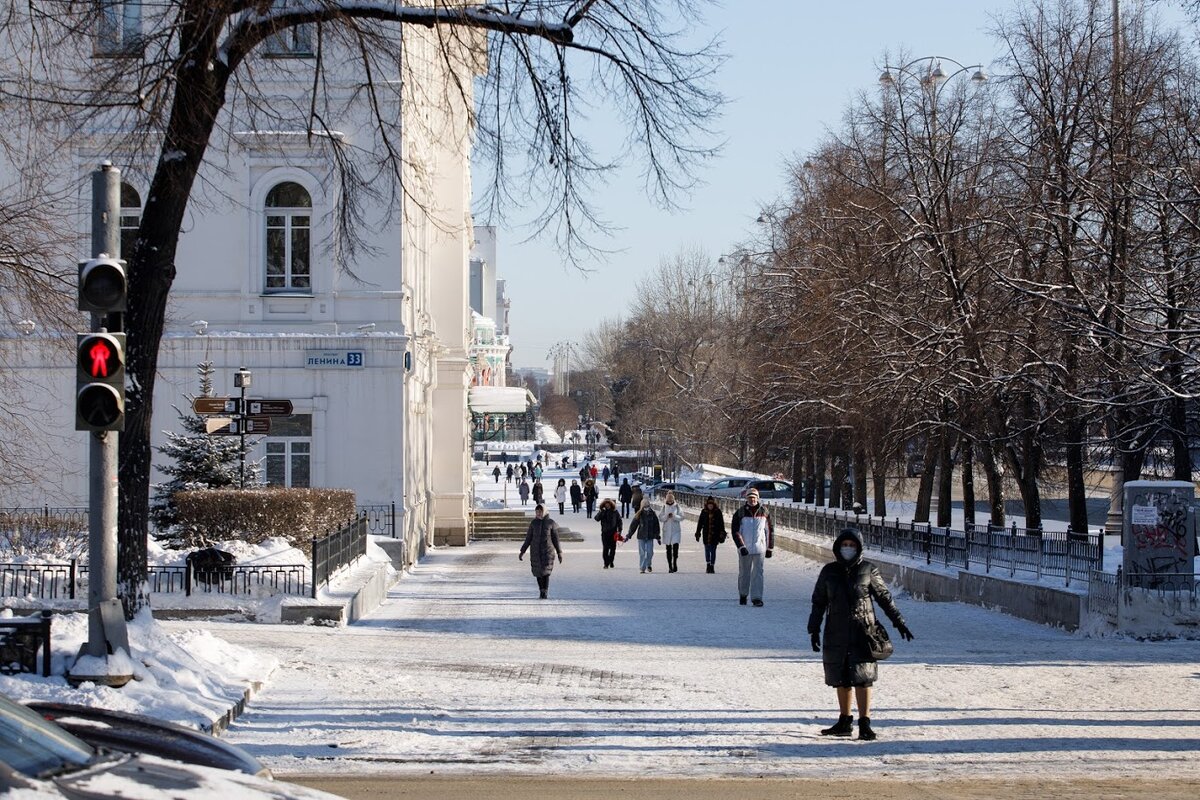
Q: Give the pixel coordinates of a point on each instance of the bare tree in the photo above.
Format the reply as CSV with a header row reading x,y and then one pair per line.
x,y
180,86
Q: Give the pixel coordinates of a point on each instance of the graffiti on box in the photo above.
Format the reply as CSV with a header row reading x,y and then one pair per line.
x,y
1159,532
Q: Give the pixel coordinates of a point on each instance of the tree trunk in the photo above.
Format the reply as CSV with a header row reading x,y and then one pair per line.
x,y
810,469
819,471
966,450
879,480
1025,466
995,482
199,98
945,477
860,475
925,487
1076,488
797,473
837,468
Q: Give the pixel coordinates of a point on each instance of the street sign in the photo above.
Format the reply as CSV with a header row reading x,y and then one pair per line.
x,y
269,408
334,359
250,426
215,405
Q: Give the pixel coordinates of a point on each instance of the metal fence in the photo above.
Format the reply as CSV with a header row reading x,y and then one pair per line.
x,y
1055,554
381,518
73,518
336,550
44,581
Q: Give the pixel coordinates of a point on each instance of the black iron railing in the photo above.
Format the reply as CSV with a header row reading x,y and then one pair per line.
x,y
45,581
336,550
381,518
1055,554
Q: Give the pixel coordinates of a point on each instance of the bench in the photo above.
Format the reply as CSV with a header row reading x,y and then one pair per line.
x,y
20,640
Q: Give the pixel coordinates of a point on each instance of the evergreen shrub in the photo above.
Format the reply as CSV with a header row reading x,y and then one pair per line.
x,y
207,516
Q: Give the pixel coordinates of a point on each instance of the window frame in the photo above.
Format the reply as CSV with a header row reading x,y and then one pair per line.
x,y
119,29
289,214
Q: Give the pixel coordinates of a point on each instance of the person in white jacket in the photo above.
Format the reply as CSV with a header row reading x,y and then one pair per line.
x,y
754,536
560,495
671,518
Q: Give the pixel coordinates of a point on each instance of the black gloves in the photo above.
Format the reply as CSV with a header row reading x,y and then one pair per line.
x,y
521,556
697,537
816,642
904,632
560,558
768,553
744,551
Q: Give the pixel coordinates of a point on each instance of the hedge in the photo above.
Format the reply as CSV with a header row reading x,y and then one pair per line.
x,y
207,516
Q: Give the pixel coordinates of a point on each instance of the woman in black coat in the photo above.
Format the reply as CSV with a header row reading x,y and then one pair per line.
x,y
610,529
589,495
842,599
576,496
541,540
710,529
539,492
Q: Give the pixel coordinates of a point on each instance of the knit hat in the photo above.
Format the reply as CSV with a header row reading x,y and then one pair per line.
x,y
752,493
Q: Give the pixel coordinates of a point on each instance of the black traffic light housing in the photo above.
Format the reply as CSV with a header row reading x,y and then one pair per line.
x,y
102,285
100,381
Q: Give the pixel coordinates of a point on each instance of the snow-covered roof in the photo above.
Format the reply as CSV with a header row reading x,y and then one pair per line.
x,y
500,399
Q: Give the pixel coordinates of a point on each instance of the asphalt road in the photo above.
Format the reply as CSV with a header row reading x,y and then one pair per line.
x,y
507,787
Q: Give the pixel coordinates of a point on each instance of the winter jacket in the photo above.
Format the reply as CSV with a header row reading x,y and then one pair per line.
x,y
610,522
635,499
560,494
842,599
625,493
645,525
538,491
671,517
710,527
752,529
541,540
576,493
523,489
589,492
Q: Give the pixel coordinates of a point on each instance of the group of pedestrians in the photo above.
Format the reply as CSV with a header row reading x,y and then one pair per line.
x,y
841,623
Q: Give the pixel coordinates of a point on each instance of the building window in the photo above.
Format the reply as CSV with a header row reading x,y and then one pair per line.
x,y
294,41
131,218
288,239
288,460
119,27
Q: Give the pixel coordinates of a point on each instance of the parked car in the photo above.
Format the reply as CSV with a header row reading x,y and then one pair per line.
x,y
41,758
727,487
133,733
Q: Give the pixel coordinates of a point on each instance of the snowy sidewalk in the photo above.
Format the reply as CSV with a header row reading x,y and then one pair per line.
x,y
464,671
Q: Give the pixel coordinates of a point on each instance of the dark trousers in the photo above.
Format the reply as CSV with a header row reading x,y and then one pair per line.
x,y
710,554
609,550
624,508
560,508
590,503
673,557
543,584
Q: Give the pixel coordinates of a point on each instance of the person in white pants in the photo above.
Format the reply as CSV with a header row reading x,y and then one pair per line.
x,y
754,537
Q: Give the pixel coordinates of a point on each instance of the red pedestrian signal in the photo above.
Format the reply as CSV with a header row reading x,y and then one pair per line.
x,y
100,382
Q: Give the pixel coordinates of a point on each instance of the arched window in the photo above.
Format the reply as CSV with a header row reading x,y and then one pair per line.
x,y
131,218
288,238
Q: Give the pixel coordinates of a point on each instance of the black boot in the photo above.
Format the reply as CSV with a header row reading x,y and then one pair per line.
x,y
710,569
742,600
843,727
865,734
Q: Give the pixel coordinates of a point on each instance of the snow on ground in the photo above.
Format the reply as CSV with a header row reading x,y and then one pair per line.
x,y
464,671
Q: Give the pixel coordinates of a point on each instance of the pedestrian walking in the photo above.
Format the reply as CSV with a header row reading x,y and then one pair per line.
x,y
523,490
594,472
503,456
842,599
710,529
538,492
576,496
610,531
589,495
671,518
645,525
521,470
635,498
541,540
616,473
625,495
560,495
537,471
754,534
584,473
496,473
508,474
605,473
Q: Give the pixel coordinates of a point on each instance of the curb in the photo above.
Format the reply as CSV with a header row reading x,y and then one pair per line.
x,y
222,723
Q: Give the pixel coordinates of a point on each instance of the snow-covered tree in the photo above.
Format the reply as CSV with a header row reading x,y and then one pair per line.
x,y
198,461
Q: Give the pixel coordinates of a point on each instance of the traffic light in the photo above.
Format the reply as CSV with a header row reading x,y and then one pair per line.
x,y
102,285
100,381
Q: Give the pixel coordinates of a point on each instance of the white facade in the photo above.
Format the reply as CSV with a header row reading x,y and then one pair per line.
x,y
375,363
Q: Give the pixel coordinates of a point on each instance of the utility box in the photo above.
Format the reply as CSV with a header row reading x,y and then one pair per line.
x,y
1159,535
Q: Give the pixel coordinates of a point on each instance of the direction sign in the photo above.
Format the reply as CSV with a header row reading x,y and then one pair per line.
x,y
215,405
250,426
269,408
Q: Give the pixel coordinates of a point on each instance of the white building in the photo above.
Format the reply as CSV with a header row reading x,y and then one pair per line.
x,y
376,363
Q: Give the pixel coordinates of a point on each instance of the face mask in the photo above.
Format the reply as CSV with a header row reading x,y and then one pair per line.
x,y
849,552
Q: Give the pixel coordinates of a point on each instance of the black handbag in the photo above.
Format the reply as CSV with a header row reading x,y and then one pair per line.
x,y
878,641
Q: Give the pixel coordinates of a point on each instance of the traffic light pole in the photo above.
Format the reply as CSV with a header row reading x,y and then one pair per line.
x,y
106,620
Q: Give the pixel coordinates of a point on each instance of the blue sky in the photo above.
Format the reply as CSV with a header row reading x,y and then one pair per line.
x,y
793,67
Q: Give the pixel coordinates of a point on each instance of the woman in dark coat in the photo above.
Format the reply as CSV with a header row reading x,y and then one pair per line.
x,y
539,492
576,496
645,524
635,497
710,529
842,599
589,495
625,495
610,529
541,540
